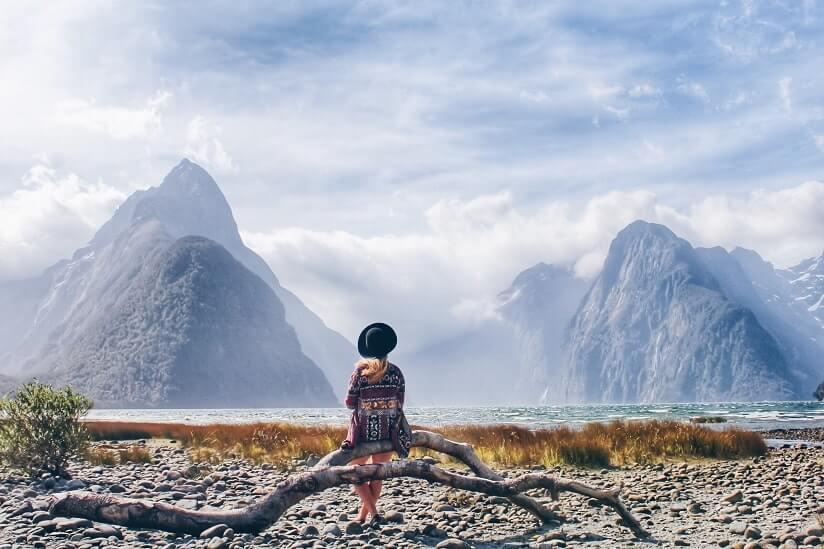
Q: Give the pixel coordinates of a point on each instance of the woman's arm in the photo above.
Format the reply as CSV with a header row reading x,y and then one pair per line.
x,y
401,388
353,392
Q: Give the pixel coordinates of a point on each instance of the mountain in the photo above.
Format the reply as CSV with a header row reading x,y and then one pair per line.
x,y
657,326
40,315
766,280
464,370
806,281
752,282
786,318
510,358
19,301
178,323
537,308
189,202
778,289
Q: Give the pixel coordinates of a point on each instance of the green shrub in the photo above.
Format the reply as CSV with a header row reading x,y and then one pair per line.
x,y
41,429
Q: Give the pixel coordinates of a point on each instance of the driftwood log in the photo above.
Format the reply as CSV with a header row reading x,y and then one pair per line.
x,y
331,471
458,450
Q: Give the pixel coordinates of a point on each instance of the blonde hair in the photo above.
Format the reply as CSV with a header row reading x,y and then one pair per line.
x,y
373,369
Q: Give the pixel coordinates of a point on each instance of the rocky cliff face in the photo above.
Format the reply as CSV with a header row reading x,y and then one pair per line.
x,y
799,333
662,322
537,308
657,326
806,281
509,359
51,321
166,322
189,202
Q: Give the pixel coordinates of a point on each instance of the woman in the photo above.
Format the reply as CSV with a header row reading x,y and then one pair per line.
x,y
376,393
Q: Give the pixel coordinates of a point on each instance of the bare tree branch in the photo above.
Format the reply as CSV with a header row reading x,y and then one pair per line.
x,y
434,441
327,474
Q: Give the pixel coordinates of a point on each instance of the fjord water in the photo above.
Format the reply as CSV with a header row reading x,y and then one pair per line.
x,y
750,415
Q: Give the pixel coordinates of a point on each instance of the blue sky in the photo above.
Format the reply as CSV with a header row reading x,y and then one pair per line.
x,y
436,148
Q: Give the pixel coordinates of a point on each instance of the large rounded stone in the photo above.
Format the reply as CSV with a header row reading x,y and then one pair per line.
x,y
452,543
353,528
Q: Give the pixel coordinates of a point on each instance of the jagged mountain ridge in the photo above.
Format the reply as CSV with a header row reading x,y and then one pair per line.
x,y
189,202
176,323
509,358
774,313
520,345
733,333
791,325
656,326
537,308
776,290
806,281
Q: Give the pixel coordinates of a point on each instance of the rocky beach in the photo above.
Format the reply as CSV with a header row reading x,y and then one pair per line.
x,y
769,501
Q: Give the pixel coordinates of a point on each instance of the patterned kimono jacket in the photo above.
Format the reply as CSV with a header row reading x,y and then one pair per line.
x,y
377,411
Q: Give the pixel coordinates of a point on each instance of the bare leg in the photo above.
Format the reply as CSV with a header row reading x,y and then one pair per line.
x,y
368,504
365,493
376,485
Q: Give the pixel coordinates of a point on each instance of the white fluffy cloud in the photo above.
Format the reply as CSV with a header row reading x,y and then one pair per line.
x,y
440,278
116,121
784,225
437,282
203,145
355,126
48,217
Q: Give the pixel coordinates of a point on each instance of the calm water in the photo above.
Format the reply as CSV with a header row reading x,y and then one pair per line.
x,y
752,415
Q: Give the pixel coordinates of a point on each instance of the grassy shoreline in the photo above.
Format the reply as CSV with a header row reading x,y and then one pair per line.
x,y
615,443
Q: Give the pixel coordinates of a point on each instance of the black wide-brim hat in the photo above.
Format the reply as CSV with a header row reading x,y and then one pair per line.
x,y
377,340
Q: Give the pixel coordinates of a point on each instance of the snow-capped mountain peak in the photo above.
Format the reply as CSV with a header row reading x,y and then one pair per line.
x,y
807,282
189,178
658,326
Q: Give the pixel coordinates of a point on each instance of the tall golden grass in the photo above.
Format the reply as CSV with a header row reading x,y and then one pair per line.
x,y
277,443
593,445
114,454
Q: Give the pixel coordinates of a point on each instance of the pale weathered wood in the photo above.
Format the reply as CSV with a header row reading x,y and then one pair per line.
x,y
328,473
267,510
434,441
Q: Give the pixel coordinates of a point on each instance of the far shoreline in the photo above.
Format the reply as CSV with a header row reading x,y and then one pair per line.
x,y
756,416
